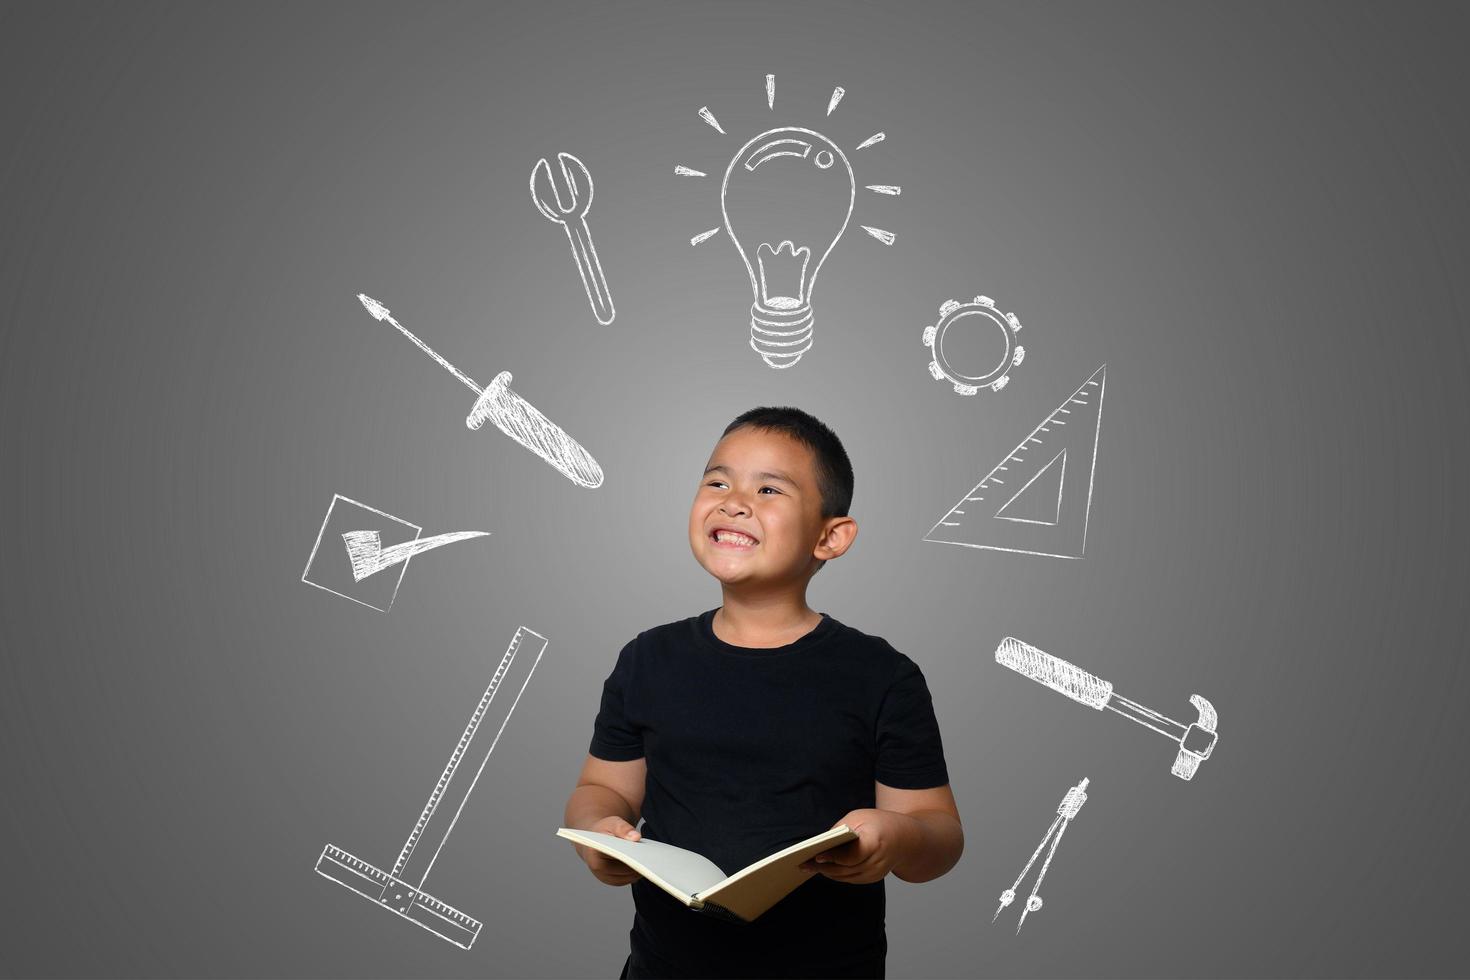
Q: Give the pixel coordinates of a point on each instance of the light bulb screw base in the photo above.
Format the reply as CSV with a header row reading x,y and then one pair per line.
x,y
780,337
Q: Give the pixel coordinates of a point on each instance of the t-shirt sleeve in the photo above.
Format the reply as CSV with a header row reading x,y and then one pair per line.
x,y
615,737
910,751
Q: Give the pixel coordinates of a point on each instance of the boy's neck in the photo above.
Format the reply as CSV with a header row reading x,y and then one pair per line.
x,y
764,620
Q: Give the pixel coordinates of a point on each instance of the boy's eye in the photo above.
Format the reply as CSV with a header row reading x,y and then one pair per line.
x,y
715,483
772,489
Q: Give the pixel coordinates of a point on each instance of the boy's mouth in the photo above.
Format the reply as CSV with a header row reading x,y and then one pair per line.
x,y
728,537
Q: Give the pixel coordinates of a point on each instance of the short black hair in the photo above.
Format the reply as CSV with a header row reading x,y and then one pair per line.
x,y
834,471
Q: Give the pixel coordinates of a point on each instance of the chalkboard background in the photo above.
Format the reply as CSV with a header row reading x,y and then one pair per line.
x,y
1256,215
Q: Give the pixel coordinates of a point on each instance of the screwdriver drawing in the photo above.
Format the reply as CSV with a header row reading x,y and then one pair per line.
x,y
511,413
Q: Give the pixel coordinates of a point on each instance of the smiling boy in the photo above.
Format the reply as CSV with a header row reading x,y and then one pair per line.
x,y
763,722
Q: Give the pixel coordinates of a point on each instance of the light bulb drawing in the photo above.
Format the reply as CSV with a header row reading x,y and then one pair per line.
x,y
770,188
787,198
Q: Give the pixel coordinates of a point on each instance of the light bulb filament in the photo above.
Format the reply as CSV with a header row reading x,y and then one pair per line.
x,y
783,275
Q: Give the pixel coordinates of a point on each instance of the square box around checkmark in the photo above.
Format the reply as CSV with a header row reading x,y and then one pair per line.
x,y
329,567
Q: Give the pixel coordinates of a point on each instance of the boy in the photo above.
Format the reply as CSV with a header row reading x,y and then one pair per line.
x,y
758,724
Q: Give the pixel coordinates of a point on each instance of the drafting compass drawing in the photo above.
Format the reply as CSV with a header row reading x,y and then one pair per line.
x,y
1066,811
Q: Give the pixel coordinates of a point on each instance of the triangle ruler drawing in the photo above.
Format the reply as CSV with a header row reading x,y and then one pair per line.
x,y
1036,500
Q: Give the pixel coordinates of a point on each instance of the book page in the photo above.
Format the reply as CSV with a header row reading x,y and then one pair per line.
x,y
754,889
680,872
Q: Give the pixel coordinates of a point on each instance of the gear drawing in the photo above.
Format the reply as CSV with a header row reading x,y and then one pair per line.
x,y
996,377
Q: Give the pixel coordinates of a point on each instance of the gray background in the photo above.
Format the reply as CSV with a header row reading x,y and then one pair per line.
x,y
1256,215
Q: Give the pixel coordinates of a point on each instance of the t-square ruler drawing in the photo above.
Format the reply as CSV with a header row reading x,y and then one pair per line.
x,y
402,889
1037,500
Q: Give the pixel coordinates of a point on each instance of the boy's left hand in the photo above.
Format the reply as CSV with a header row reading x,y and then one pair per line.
x,y
882,842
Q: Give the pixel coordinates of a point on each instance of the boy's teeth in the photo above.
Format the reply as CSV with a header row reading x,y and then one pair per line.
x,y
733,537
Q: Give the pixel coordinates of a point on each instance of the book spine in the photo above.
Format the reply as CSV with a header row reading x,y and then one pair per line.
x,y
716,910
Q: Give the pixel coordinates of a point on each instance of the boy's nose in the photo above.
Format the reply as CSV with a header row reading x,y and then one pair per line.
x,y
730,508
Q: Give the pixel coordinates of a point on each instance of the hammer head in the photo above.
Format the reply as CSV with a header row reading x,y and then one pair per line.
x,y
1198,741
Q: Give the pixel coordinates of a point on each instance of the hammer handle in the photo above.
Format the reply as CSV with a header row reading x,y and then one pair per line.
x,y
1147,717
1054,672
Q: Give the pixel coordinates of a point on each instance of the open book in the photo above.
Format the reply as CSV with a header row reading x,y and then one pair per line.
x,y
698,882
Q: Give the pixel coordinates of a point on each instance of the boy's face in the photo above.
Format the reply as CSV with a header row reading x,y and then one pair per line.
x,y
757,518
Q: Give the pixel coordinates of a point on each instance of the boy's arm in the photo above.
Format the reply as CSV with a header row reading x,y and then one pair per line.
x,y
608,799
915,833
607,789
937,837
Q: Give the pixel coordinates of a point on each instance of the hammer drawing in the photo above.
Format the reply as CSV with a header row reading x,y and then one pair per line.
x,y
1196,741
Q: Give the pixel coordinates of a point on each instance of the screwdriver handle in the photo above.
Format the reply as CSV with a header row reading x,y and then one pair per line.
x,y
520,420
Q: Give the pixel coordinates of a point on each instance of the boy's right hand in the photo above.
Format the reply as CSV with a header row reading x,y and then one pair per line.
x,y
610,871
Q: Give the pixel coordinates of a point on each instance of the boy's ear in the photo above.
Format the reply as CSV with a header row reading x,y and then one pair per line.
x,y
837,536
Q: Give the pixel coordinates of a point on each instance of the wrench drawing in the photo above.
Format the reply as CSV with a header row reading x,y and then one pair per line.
x,y
566,203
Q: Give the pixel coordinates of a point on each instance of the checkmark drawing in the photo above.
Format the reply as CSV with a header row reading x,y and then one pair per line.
x,y
368,556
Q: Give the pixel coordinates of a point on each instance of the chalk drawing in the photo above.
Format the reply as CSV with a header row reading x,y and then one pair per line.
x,y
402,890
565,203
782,273
1196,740
333,572
981,315
511,413
709,117
783,247
1038,499
367,555
1071,803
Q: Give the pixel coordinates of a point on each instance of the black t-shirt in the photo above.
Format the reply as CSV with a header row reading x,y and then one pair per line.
x,y
751,750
